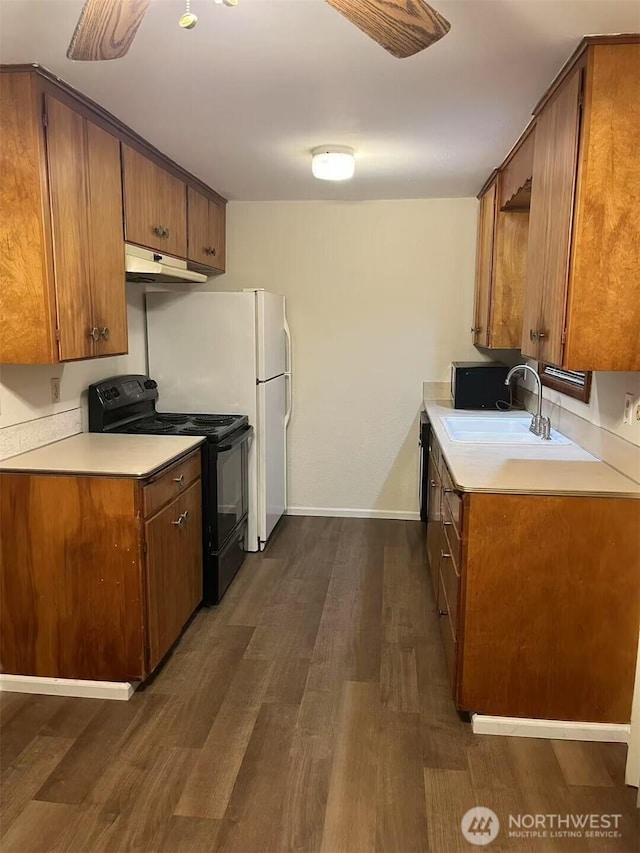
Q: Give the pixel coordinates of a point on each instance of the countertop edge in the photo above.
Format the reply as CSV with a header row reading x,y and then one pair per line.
x,y
467,489
115,475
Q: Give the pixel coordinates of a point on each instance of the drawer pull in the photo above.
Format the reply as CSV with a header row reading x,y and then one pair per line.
x,y
182,519
448,523
179,480
94,333
449,491
443,612
444,556
433,484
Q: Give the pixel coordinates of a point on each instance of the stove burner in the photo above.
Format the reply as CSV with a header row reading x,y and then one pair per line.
x,y
172,419
151,425
199,430
214,420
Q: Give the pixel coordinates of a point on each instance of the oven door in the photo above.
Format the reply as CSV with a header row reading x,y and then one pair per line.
x,y
231,486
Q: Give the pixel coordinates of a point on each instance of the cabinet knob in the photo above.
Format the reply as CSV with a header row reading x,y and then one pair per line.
x,y
94,333
533,335
166,232
158,231
105,333
444,556
443,612
541,335
475,330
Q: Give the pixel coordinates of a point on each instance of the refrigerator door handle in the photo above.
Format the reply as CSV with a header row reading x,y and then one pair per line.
x,y
287,332
288,373
287,416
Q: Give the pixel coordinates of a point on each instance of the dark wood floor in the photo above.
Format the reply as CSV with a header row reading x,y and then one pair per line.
x,y
309,712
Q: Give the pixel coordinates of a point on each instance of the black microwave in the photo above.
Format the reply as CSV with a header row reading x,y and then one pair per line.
x,y
478,384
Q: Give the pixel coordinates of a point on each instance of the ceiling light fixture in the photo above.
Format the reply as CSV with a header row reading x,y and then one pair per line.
x,y
333,162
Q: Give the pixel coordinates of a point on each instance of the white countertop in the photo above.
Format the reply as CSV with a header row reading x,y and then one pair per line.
x,y
524,469
103,455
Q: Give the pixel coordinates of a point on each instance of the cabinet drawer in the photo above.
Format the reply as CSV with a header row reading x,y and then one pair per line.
x,y
452,501
450,581
452,539
448,638
170,483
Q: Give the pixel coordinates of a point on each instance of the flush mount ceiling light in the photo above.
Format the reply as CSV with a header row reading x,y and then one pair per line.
x,y
333,162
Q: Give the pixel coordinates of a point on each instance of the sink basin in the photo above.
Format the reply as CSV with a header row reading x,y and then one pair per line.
x,y
497,430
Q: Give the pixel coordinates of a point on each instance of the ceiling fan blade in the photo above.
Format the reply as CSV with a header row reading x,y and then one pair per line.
x,y
403,27
106,28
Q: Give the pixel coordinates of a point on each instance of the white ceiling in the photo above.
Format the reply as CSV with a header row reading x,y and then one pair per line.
x,y
240,100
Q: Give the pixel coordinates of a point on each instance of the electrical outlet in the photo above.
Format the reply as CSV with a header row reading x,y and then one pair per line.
x,y
638,412
628,408
55,390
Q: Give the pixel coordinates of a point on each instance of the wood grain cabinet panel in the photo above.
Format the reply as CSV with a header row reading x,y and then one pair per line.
x,y
484,265
155,205
207,230
88,589
539,604
74,304
500,270
582,302
552,196
174,570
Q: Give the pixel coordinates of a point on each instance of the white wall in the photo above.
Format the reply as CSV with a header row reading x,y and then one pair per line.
x,y
28,418
379,299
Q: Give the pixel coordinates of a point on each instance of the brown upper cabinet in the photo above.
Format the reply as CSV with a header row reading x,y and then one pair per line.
x,y
206,230
63,291
155,205
64,162
501,262
582,309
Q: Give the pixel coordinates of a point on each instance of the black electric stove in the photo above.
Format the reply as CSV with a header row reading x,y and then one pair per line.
x,y
127,404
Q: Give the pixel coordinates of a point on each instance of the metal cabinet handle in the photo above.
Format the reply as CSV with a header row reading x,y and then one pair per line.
x,y
105,333
432,483
158,231
210,250
476,329
94,333
179,480
448,523
444,556
533,336
443,612
166,232
541,335
182,519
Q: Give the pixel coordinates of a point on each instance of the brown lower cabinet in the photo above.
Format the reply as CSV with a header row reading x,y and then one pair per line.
x,y
538,601
99,575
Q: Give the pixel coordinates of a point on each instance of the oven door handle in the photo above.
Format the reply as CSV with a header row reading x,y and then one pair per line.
x,y
244,435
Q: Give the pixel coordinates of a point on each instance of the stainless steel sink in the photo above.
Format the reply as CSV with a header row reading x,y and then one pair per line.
x,y
498,430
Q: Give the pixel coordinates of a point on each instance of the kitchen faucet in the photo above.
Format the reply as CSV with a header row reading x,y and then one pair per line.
x,y
540,425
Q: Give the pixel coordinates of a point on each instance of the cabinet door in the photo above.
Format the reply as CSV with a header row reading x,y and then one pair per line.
x,y
155,205
550,224
69,199
107,241
218,229
484,266
174,570
206,230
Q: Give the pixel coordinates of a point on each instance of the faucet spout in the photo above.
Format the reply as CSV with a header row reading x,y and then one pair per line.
x,y
540,425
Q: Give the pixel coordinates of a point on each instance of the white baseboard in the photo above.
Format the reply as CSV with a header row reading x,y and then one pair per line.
x,y
120,690
554,729
335,512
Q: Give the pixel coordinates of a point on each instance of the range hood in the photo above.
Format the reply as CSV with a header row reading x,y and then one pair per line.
x,y
143,265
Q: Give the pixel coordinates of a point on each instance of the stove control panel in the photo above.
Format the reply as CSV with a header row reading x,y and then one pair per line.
x,y
131,394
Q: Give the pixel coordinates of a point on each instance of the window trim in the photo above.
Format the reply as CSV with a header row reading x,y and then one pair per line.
x,y
582,393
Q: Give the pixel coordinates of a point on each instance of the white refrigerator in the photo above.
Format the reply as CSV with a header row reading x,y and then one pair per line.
x,y
230,353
